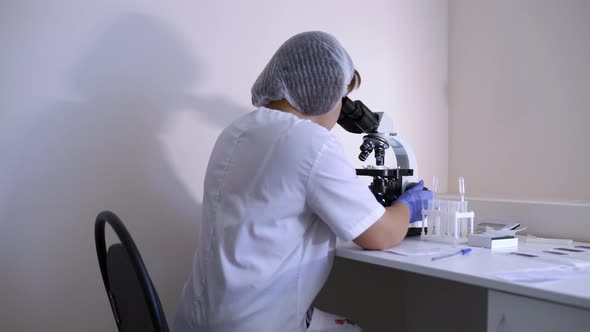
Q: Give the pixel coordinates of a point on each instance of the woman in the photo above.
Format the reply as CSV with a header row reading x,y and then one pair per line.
x,y
278,192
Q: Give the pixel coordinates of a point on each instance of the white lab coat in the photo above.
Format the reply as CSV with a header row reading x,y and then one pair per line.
x,y
278,191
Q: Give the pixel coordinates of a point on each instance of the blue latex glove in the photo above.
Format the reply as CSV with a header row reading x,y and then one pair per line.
x,y
414,198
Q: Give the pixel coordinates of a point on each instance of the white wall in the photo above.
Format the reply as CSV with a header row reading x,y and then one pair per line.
x,y
116,105
519,99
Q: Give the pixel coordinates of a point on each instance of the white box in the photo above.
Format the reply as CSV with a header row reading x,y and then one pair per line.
x,y
492,241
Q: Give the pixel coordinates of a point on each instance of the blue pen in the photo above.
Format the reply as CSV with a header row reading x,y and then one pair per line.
x,y
460,252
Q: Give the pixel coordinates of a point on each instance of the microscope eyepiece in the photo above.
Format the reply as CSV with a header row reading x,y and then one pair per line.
x,y
357,118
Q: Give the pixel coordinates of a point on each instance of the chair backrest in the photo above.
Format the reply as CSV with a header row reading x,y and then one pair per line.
x,y
134,300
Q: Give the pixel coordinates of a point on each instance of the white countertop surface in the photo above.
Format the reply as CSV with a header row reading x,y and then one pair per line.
x,y
480,267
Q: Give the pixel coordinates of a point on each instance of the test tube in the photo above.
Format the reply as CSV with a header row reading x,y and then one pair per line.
x,y
463,207
434,189
424,216
444,220
434,184
451,219
431,205
456,208
462,188
432,228
465,227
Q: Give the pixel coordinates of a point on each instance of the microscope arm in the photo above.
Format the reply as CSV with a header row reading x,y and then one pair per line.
x,y
405,157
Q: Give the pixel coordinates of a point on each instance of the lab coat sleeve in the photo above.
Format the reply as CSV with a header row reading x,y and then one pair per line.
x,y
338,196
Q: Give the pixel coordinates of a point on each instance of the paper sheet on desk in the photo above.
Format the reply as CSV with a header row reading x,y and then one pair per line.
x,y
421,248
548,274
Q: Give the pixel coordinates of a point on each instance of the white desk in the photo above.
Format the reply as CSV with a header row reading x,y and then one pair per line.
x,y
554,306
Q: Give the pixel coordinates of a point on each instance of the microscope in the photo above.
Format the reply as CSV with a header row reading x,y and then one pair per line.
x,y
387,183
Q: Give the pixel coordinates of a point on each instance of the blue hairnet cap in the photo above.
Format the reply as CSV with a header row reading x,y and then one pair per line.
x,y
311,70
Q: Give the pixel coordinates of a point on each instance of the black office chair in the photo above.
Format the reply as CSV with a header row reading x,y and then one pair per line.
x,y
134,300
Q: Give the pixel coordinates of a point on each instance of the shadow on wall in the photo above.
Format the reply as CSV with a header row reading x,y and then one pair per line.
x,y
103,152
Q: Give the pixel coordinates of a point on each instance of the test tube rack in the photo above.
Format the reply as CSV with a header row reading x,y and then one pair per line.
x,y
447,221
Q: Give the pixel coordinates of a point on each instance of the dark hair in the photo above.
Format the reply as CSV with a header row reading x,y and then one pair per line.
x,y
355,83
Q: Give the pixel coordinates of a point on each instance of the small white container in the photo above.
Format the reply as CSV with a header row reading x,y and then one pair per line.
x,y
492,241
